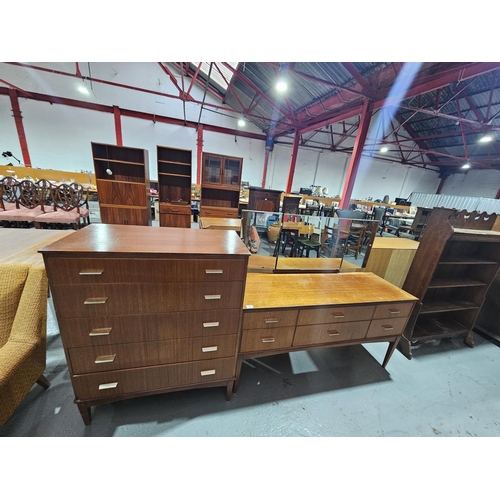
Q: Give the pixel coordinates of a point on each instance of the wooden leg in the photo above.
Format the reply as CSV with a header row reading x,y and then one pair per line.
x,y
469,339
84,412
43,382
239,362
229,390
404,346
390,350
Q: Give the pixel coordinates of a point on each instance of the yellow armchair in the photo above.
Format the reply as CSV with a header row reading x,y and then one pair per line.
x,y
23,329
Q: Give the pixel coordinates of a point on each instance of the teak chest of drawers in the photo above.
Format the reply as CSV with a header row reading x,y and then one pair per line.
x,y
289,312
147,310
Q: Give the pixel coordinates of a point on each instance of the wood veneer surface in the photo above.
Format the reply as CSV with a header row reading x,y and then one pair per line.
x,y
292,290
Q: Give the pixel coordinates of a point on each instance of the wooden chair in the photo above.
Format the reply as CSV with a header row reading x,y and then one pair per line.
x,y
305,243
355,239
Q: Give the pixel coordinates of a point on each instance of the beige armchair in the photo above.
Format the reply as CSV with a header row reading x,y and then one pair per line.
x,y
23,327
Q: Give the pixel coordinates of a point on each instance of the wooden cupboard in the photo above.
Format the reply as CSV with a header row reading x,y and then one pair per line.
x,y
263,200
457,259
220,185
174,186
144,311
122,178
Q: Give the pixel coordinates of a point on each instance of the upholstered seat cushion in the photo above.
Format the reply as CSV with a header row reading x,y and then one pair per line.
x,y
21,214
59,216
7,206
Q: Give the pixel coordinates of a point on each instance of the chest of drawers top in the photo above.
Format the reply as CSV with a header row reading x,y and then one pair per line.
x,y
112,240
276,291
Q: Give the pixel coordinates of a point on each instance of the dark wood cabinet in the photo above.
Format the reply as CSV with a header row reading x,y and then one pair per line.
x,y
263,200
456,261
220,186
122,178
174,186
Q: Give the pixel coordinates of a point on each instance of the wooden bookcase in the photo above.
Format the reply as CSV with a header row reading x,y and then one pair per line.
x,y
122,177
456,261
220,186
174,186
263,200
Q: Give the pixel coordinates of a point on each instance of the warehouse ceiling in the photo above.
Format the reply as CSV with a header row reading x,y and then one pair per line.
x,y
440,116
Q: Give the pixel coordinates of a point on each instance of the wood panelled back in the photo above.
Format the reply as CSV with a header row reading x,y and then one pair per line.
x,y
125,216
122,193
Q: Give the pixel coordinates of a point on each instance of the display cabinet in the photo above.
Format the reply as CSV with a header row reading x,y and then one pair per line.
x,y
263,200
456,261
174,183
220,186
122,178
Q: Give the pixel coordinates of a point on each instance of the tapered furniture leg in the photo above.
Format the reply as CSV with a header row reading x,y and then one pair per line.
x,y
229,390
469,339
390,350
239,362
84,412
43,382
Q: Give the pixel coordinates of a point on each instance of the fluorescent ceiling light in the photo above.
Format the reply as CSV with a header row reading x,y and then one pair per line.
x,y
384,149
83,89
466,166
486,138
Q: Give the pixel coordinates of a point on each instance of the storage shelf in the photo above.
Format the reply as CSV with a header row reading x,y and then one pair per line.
x,y
436,328
447,306
467,260
174,175
120,182
120,161
175,162
453,283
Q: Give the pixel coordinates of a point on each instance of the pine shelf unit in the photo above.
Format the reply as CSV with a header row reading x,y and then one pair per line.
x,y
174,186
122,179
453,268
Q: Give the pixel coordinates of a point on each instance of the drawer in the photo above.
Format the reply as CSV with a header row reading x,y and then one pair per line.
x,y
167,208
331,333
218,212
395,310
155,378
335,314
136,355
266,340
76,301
268,319
84,271
386,327
107,330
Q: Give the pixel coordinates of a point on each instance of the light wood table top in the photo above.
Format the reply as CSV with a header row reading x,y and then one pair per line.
x,y
20,246
265,264
225,223
394,243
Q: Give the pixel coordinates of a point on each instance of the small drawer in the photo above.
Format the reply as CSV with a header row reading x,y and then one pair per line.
x,y
396,310
106,330
167,208
266,339
268,319
155,378
331,333
218,212
135,355
335,314
386,327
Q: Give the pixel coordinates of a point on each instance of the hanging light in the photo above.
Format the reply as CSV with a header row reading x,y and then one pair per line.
x,y
466,166
384,149
486,138
241,121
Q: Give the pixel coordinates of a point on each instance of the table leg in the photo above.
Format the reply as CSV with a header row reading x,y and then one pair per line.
x,y
84,412
390,350
239,362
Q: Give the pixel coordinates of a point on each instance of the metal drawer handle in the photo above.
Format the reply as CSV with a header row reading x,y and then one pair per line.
x,y
268,340
99,332
209,349
210,325
105,359
271,320
333,333
394,311
213,271
338,315
212,297
95,300
111,385
207,372
387,327
91,272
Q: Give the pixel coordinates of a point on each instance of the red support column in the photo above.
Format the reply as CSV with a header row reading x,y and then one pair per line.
x,y
16,110
118,125
293,160
264,173
199,154
364,123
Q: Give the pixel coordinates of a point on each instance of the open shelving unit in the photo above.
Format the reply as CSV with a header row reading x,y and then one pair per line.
x,y
453,268
220,186
122,178
174,186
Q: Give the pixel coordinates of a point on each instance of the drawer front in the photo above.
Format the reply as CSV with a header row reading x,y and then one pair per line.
x,y
386,327
335,314
166,208
174,220
136,380
218,212
135,355
77,301
266,339
396,310
330,333
106,330
85,271
268,319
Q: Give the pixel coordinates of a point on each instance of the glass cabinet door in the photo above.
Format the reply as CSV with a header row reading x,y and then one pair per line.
x,y
212,170
231,172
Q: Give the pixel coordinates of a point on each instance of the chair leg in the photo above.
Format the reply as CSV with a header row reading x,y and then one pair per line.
x,y
43,382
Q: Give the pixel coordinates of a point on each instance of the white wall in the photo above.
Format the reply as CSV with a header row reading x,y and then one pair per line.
x,y
482,183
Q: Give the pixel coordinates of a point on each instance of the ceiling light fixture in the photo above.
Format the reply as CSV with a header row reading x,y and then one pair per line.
x,y
466,166
241,122
486,138
83,89
281,85
384,149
